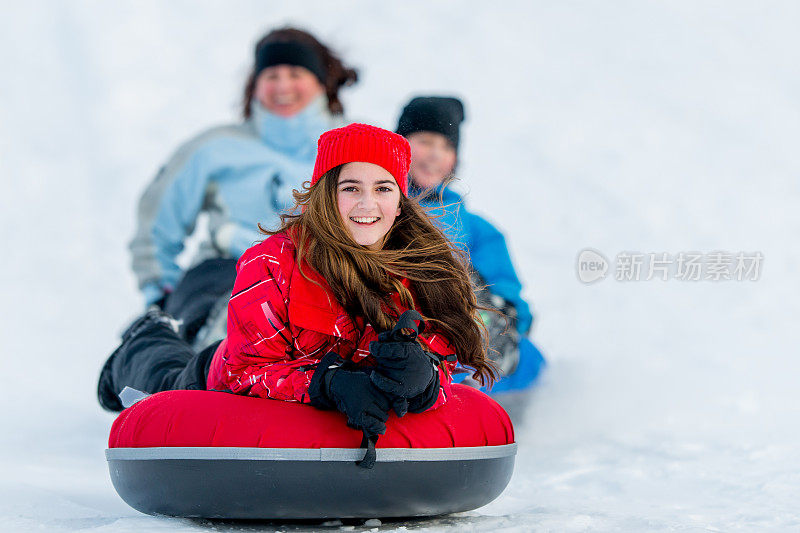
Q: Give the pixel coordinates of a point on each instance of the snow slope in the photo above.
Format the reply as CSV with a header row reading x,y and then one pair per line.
x,y
626,126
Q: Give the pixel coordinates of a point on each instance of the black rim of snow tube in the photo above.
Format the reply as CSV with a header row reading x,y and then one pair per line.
x,y
290,483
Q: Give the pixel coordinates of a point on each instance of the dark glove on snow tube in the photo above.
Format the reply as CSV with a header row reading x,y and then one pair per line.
x,y
352,393
404,369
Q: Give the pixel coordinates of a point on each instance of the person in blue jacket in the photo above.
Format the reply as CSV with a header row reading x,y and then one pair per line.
x,y
431,124
238,175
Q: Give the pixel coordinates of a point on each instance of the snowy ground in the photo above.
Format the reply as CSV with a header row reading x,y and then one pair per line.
x,y
627,126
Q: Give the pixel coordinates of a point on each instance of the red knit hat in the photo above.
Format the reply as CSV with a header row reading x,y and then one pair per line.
x,y
365,143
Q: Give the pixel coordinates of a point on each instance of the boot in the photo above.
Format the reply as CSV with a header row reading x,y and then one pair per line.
x,y
107,393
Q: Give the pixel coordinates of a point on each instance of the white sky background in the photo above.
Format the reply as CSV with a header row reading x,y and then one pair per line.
x,y
625,126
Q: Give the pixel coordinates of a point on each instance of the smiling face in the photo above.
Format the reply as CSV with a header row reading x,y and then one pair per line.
x,y
286,89
369,200
433,158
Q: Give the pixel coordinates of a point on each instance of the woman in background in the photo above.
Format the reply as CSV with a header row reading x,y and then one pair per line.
x,y
239,175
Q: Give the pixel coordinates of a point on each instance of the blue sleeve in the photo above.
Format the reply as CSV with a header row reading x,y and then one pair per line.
x,y
167,214
490,257
448,218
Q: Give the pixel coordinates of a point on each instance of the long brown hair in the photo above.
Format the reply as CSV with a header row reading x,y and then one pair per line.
x,y
363,279
337,74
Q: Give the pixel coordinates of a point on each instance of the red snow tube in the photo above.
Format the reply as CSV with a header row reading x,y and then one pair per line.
x,y
218,455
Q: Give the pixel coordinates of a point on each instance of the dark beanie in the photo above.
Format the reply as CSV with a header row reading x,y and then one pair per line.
x,y
440,114
289,53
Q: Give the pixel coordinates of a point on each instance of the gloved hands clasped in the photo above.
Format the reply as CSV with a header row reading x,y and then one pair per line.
x,y
352,393
404,369
406,379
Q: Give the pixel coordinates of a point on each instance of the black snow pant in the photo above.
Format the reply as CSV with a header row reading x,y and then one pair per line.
x,y
198,291
157,359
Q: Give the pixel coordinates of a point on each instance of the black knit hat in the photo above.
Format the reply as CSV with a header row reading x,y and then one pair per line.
x,y
289,53
440,114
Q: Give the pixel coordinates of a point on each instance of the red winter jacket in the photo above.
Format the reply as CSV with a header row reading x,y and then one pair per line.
x,y
280,325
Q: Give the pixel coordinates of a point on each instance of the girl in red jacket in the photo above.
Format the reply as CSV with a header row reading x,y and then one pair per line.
x,y
325,310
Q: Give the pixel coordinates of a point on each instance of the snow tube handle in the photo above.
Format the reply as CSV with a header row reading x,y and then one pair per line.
x,y
370,456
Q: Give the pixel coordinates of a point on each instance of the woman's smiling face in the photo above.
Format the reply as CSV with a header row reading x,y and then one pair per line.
x,y
287,89
369,201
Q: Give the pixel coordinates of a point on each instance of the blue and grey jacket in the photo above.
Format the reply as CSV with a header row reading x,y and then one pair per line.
x,y
239,175
483,242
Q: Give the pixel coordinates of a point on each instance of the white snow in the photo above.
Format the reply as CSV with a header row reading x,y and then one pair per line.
x,y
626,126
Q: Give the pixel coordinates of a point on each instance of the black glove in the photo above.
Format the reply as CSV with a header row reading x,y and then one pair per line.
x,y
501,325
365,406
424,401
403,368
161,303
351,392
